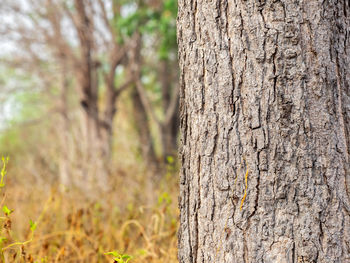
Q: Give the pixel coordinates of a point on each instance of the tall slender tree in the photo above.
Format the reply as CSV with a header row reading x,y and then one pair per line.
x,y
265,120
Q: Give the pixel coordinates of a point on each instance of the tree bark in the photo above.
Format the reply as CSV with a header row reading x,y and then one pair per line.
x,y
265,119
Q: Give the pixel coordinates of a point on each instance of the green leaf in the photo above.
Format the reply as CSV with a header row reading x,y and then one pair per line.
x,y
121,258
126,257
142,252
165,197
170,159
33,225
112,253
6,210
2,239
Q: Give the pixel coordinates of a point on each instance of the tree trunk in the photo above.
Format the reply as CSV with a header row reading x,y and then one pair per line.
x,y
265,119
141,124
169,138
106,124
96,136
168,130
64,162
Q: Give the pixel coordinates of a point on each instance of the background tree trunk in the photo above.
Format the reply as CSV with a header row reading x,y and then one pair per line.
x,y
64,163
265,119
169,128
141,124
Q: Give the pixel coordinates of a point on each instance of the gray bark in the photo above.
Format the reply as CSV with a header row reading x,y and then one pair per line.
x,y
265,110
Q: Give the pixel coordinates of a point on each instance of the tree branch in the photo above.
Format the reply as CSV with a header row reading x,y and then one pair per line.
x,y
145,101
125,85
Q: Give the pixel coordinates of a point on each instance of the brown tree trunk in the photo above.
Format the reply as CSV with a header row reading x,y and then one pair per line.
x,y
169,138
86,72
265,119
141,124
97,136
64,167
95,141
168,129
106,124
142,108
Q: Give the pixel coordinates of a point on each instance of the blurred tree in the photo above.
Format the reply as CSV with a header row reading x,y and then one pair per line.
x,y
154,52
92,51
77,36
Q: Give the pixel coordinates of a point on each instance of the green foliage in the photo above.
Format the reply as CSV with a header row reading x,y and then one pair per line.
x,y
148,21
164,198
120,258
24,106
4,229
6,210
3,170
170,159
42,260
21,93
32,225
167,28
2,240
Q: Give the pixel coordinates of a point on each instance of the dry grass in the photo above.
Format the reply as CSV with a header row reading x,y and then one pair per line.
x,y
71,227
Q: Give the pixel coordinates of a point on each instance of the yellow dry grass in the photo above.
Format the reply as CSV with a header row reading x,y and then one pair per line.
x,y
71,227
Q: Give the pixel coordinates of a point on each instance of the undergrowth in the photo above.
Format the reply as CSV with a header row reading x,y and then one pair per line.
x,y
41,224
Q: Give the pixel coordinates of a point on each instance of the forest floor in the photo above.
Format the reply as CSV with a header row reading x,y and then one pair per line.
x,y
47,224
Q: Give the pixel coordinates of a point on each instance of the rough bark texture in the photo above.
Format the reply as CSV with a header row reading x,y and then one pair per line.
x,y
264,90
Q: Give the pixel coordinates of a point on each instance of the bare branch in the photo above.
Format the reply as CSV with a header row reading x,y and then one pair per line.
x,y
124,86
135,62
145,101
105,17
